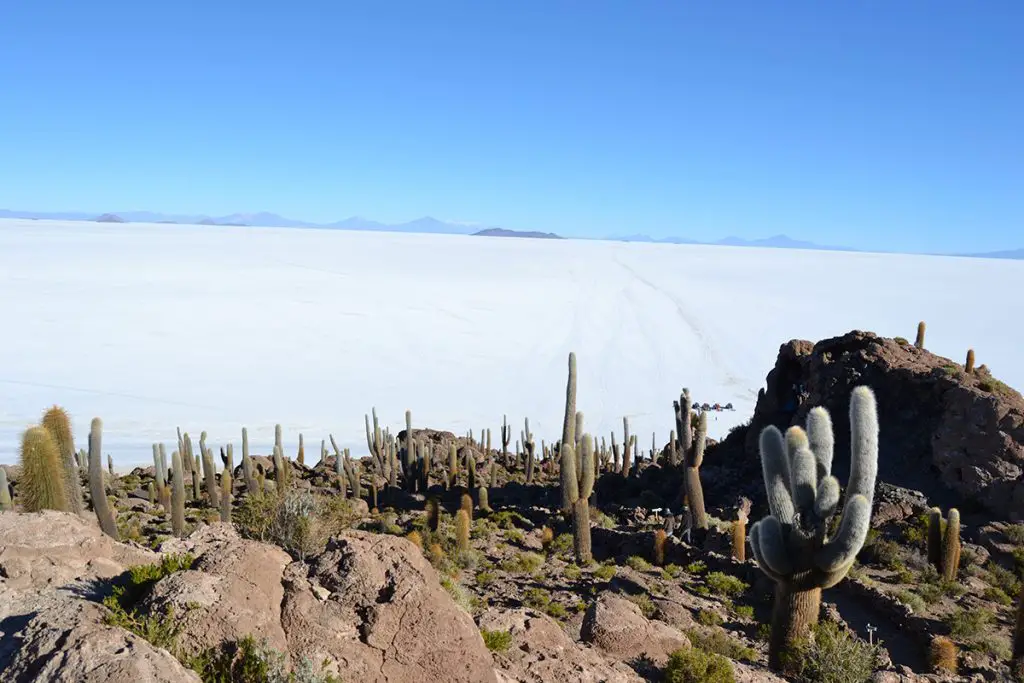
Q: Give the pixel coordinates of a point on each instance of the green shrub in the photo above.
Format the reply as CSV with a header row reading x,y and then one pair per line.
x,y
697,567
718,641
557,610
485,578
537,598
496,641
836,655
298,521
744,611
1003,578
998,595
637,563
912,600
573,572
523,563
673,570
605,572
709,618
970,625
697,666
644,602
724,584
246,661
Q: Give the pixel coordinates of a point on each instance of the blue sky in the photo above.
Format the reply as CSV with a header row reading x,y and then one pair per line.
x,y
869,123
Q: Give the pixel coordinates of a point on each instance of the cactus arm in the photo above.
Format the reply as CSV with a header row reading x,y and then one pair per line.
x,y
822,441
842,549
775,466
827,499
863,444
772,542
803,475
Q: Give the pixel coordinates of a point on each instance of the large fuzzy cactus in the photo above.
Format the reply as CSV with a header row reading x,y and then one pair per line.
x,y
944,542
693,457
58,423
97,490
42,485
569,484
791,544
569,419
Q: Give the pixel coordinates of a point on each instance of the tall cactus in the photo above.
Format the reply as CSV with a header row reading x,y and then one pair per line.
x,y
683,425
969,365
96,488
225,495
585,476
944,542
177,495
791,544
506,436
41,486
569,419
694,456
57,422
581,531
919,341
453,466
627,447
529,446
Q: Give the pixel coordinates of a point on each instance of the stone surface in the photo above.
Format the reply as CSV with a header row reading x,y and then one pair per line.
x,y
617,626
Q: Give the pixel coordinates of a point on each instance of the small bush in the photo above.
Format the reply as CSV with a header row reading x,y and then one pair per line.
x,y
644,602
485,578
605,572
998,595
523,563
673,570
912,600
298,521
557,610
496,641
537,598
970,625
744,611
573,572
1002,578
835,655
637,563
697,666
1015,532
709,618
697,567
724,584
942,655
718,641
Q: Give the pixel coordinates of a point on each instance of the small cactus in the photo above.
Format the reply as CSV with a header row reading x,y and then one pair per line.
x,y
462,530
483,501
41,486
58,423
944,542
969,365
466,504
5,492
433,515
569,484
942,655
660,538
739,538
919,341
96,489
453,466
225,496
506,436
301,457
627,448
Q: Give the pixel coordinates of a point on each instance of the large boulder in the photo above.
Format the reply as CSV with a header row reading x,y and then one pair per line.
x,y
540,651
955,437
617,626
67,642
233,590
51,549
372,608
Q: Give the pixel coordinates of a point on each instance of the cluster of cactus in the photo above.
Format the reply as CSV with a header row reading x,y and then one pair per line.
x,y
944,542
791,545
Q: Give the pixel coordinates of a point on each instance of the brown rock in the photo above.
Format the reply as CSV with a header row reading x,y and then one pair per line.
x,y
617,626
541,651
67,642
387,618
236,583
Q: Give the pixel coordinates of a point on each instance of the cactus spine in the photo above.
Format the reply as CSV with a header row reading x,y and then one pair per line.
x,y
42,475
177,495
919,341
791,544
694,457
96,488
57,422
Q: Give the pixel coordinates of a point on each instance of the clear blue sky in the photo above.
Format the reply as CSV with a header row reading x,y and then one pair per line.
x,y
868,123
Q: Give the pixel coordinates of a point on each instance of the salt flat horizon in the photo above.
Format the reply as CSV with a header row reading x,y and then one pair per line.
x,y
153,327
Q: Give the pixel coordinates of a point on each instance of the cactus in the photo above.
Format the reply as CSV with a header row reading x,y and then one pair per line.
x,y
586,472
178,495
969,365
919,341
1018,633
210,476
627,445
433,515
41,486
194,490
569,419
482,498
96,488
581,531
683,423
110,467
453,466
529,446
158,473
151,490
375,441
278,441
470,465
942,654
301,455
466,505
660,537
790,545
739,537
425,464
569,484
462,530
693,457
225,496
280,478
506,436
58,424
5,492
408,455
944,542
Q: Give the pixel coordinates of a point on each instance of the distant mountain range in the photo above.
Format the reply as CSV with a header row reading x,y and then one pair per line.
x,y
426,224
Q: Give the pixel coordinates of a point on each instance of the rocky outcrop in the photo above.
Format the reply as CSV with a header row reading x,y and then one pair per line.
x,y
372,608
540,651
234,584
956,437
617,626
